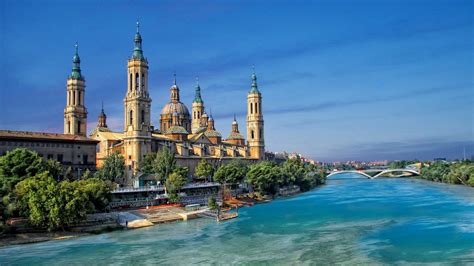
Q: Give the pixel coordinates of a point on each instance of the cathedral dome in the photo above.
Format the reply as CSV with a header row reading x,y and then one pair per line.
x,y
178,107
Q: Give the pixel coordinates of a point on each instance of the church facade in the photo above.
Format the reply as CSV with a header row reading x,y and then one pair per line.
x,y
190,135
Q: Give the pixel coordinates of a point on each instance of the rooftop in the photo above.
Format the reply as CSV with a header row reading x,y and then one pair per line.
x,y
12,134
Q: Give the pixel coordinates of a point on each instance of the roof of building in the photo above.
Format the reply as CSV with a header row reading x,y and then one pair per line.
x,y
212,133
235,135
176,130
109,135
28,135
171,107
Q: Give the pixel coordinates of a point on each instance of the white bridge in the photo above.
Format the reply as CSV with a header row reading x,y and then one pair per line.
x,y
374,173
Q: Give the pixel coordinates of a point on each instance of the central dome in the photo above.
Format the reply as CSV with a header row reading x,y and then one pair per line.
x,y
171,107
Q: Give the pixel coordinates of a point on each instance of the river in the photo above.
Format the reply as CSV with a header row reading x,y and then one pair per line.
x,y
349,220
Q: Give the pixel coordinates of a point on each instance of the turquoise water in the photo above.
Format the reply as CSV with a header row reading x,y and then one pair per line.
x,y
348,221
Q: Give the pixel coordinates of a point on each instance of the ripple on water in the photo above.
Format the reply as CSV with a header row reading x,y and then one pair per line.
x,y
356,221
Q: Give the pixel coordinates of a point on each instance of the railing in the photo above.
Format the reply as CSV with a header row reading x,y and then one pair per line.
x,y
162,188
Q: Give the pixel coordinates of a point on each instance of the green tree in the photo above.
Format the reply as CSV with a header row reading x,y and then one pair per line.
x,y
174,183
55,169
233,173
36,197
211,203
438,171
87,175
68,174
147,164
113,168
165,164
204,170
17,165
461,173
264,176
293,171
98,193
53,205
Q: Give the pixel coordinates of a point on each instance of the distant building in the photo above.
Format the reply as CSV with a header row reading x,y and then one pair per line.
x,y
77,152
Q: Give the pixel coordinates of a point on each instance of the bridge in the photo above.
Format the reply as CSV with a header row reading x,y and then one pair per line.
x,y
374,173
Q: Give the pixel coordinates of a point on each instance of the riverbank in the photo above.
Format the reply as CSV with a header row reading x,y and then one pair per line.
x,y
29,238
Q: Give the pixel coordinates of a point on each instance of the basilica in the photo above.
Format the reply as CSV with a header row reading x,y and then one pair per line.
x,y
190,135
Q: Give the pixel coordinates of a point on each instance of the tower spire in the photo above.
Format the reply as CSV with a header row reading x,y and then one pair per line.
x,y
197,94
137,50
254,88
76,64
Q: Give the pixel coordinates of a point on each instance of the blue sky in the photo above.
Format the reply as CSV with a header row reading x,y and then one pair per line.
x,y
341,80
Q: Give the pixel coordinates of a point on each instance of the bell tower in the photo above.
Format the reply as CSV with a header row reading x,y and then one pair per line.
x,y
197,109
255,131
137,103
75,112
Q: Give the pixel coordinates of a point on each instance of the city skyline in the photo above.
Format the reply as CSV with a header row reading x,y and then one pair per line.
x,y
333,90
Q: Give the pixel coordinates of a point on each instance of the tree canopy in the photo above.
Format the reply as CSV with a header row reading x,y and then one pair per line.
x,y
233,172
203,170
113,168
165,164
174,183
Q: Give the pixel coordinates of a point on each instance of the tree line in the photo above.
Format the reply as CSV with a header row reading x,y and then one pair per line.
x,y
50,197
461,172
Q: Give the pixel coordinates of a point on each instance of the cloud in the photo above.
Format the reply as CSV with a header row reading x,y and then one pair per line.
x,y
393,31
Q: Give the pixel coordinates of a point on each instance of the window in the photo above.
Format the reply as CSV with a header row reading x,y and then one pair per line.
x,y
143,117
252,134
143,81
78,126
260,133
137,77
68,126
60,158
131,82
84,159
251,108
73,98
256,109
130,119
79,99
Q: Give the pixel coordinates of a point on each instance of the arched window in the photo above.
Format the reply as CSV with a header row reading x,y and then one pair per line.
x,y
131,82
79,98
260,134
252,134
130,118
256,109
78,126
199,114
143,81
143,117
69,127
74,98
137,77
251,108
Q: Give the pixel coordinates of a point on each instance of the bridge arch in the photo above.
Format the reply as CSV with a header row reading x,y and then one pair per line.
x,y
349,172
378,172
